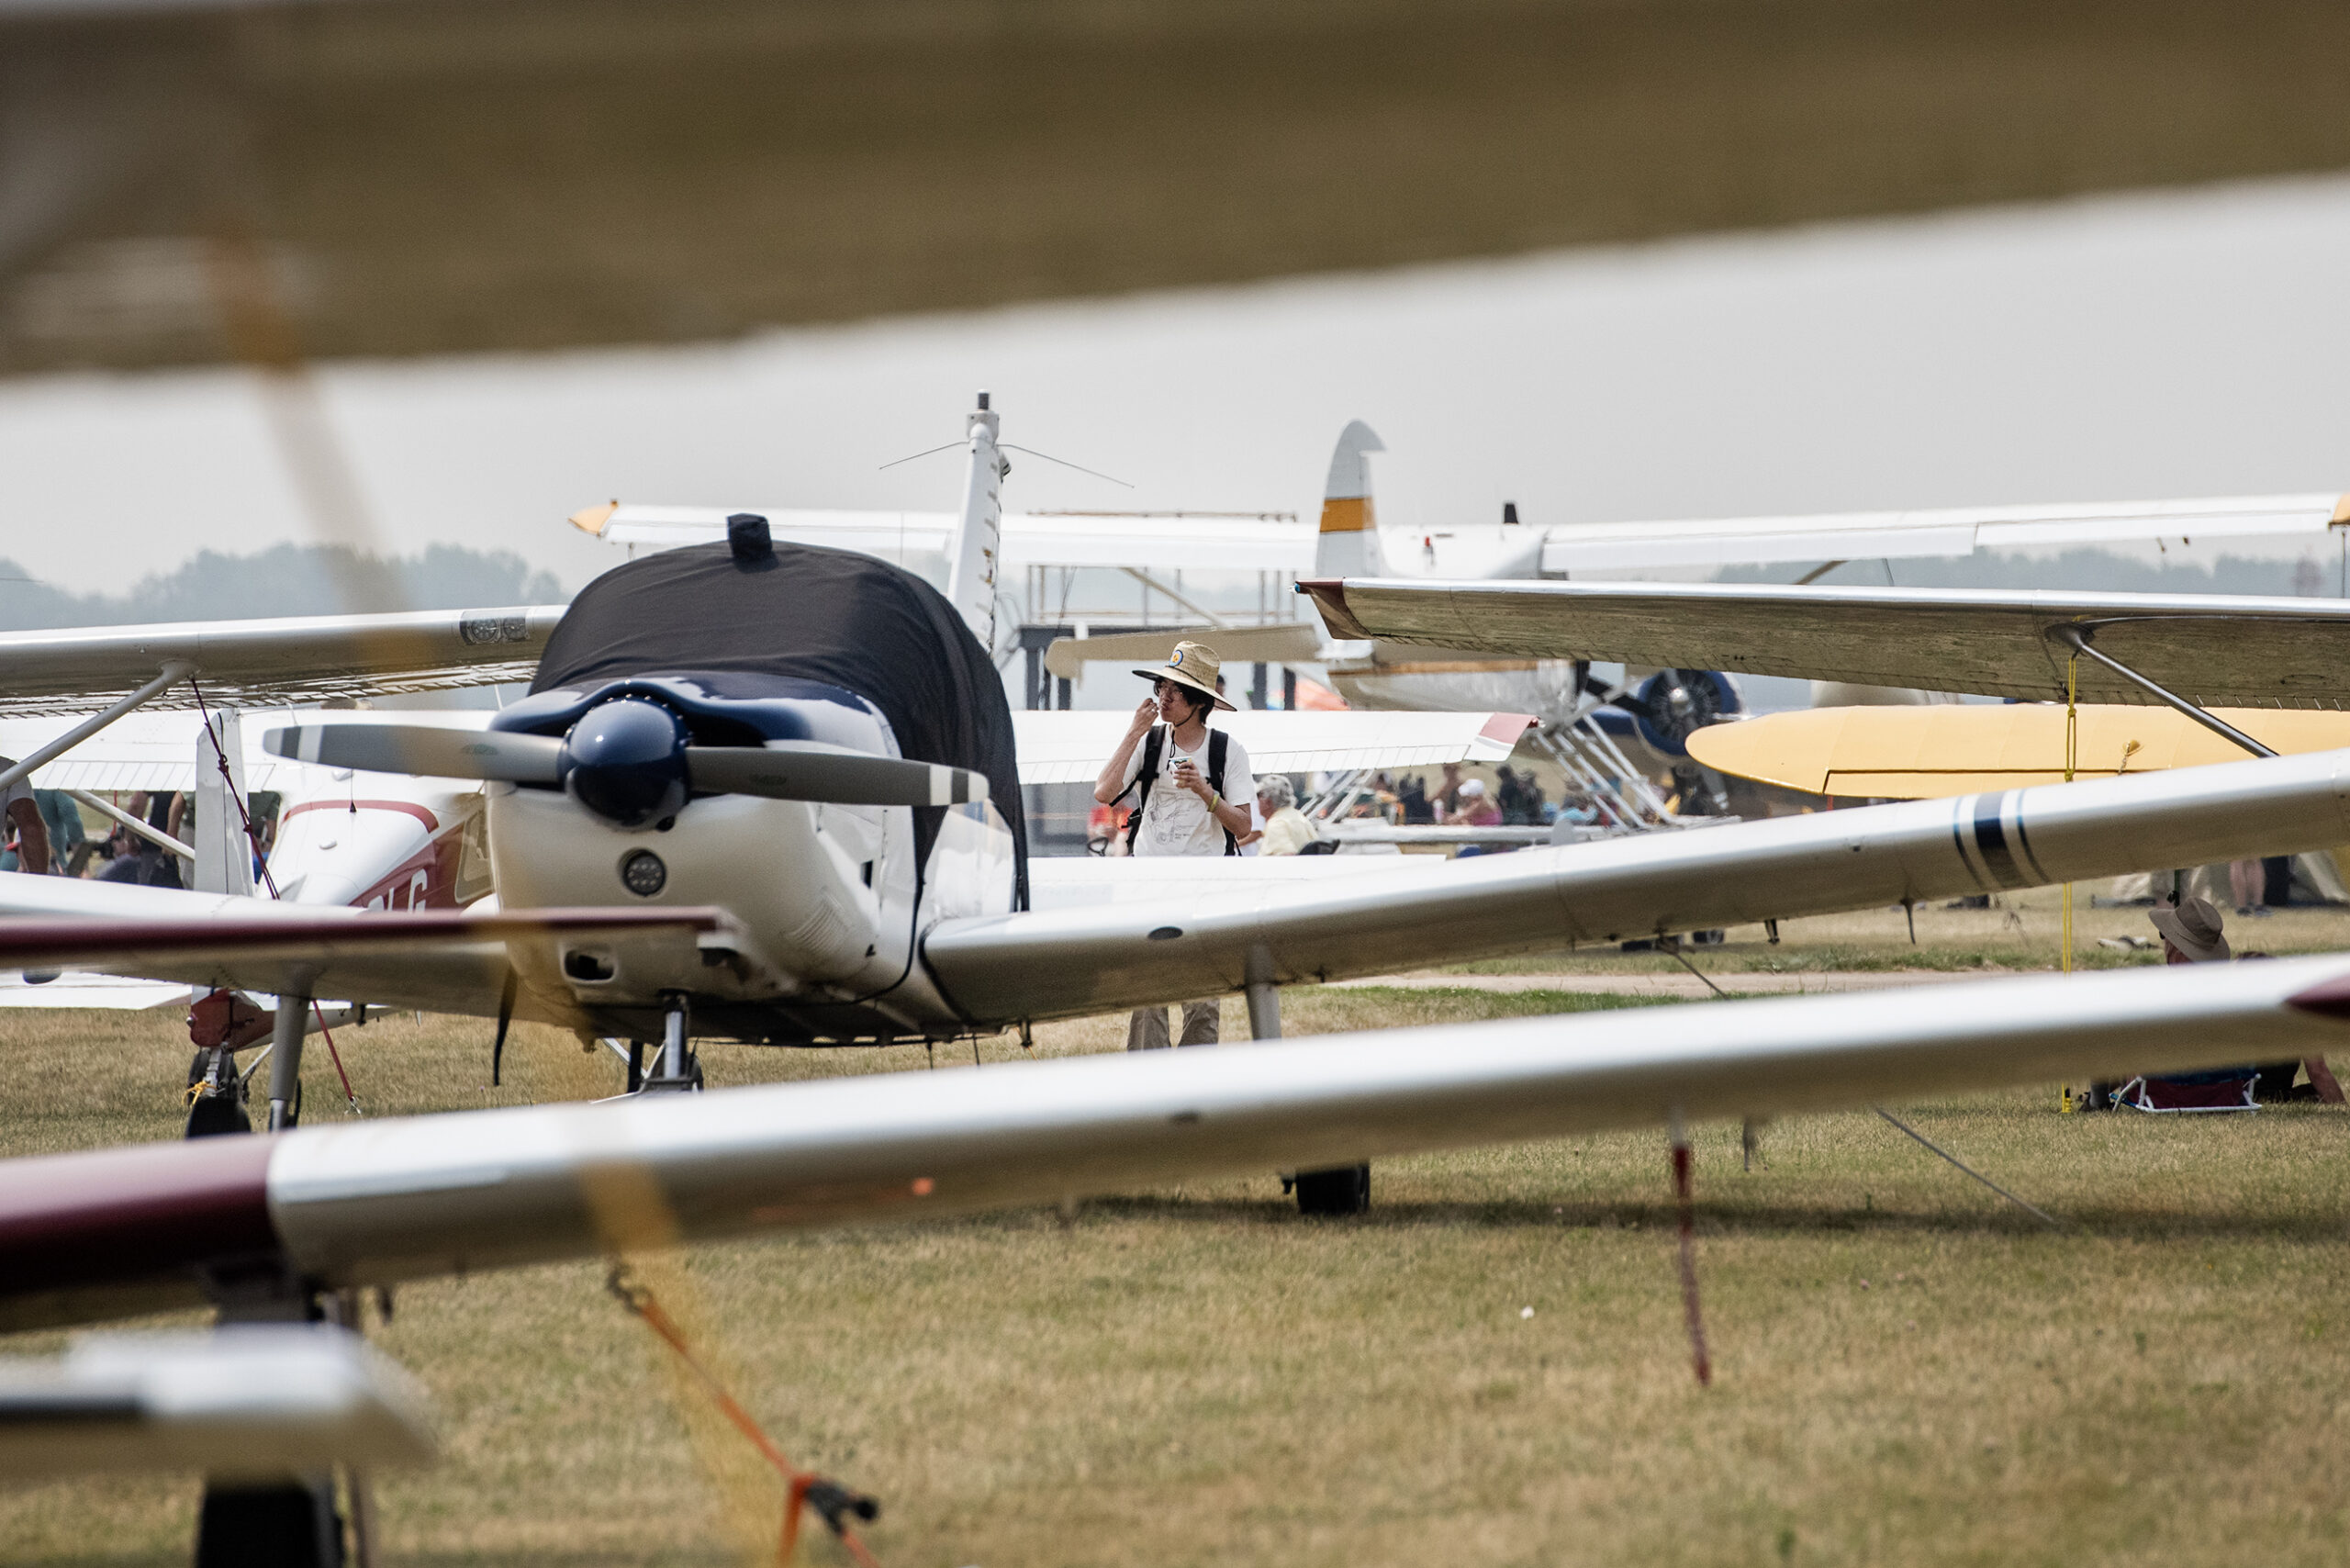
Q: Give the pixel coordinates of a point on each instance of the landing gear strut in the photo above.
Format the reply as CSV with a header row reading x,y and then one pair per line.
x,y
285,1061
285,1521
677,1069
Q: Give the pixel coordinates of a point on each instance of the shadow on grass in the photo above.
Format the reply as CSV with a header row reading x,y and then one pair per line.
x,y
515,1559
2110,1222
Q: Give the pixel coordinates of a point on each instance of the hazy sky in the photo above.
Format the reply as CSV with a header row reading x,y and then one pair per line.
x,y
2175,345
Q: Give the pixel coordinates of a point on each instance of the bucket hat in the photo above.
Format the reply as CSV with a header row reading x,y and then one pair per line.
x,y
1194,664
2194,929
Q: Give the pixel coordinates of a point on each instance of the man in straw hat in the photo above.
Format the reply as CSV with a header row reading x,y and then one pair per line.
x,y
2192,932
1194,788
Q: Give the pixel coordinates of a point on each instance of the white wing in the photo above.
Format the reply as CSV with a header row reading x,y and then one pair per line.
x,y
2216,650
146,750
1252,542
436,960
290,659
382,1201
1114,934
1111,933
1851,536
1069,747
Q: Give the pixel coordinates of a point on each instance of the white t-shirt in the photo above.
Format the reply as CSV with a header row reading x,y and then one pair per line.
x,y
1175,820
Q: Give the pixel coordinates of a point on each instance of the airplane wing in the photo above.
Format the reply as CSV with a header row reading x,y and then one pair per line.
x,y
247,1399
1249,542
294,658
438,960
148,750
1114,933
106,993
1908,753
1282,643
2215,650
1879,535
1069,746
376,1203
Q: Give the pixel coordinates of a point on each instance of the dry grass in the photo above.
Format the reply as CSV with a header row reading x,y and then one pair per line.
x,y
1908,1370
2021,933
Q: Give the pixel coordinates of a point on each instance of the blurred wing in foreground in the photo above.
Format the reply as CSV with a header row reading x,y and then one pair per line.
x,y
374,1203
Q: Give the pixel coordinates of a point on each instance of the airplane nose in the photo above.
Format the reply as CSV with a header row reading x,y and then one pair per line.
x,y
625,761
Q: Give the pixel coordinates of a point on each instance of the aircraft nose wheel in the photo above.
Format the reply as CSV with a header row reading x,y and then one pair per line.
x,y
1346,1191
216,1095
661,1080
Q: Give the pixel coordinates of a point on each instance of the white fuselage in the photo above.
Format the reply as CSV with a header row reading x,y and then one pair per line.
x,y
829,905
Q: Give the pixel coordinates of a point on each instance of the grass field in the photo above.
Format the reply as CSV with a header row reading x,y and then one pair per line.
x,y
1908,1369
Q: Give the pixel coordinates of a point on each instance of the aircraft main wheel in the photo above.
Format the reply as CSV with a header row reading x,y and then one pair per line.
x,y
288,1524
1346,1191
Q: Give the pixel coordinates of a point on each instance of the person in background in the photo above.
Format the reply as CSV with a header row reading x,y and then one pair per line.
x,y
1286,830
141,863
2193,932
2248,880
1195,787
160,811
1520,802
1447,800
69,842
1475,808
23,825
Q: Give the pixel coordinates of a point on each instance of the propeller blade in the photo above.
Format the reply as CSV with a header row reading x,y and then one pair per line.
x,y
808,770
422,749
1623,698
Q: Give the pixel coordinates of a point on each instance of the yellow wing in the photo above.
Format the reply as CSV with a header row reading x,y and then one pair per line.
x,y
1914,754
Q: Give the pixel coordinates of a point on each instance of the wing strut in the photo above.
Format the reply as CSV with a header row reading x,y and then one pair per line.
x,y
2077,639
172,673
145,829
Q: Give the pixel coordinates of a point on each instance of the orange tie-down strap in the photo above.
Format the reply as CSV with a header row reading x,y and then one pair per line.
x,y
834,1503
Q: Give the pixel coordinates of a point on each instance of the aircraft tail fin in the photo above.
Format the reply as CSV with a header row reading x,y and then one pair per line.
x,y
972,550
1348,546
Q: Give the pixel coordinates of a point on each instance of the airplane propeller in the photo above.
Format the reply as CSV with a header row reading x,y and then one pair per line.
x,y
632,763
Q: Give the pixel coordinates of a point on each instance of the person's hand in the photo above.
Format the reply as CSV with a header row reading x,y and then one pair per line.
x,y
1146,715
1187,777
1245,839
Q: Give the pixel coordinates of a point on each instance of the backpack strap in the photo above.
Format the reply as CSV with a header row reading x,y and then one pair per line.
x,y
1143,777
1220,748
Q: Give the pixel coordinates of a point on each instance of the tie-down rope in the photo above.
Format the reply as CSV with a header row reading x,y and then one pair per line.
x,y
253,838
833,1502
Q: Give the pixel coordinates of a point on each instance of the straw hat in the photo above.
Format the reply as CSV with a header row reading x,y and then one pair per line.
x,y
2194,929
1194,664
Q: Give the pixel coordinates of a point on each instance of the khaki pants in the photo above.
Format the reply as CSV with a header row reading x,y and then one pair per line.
x,y
1147,1030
